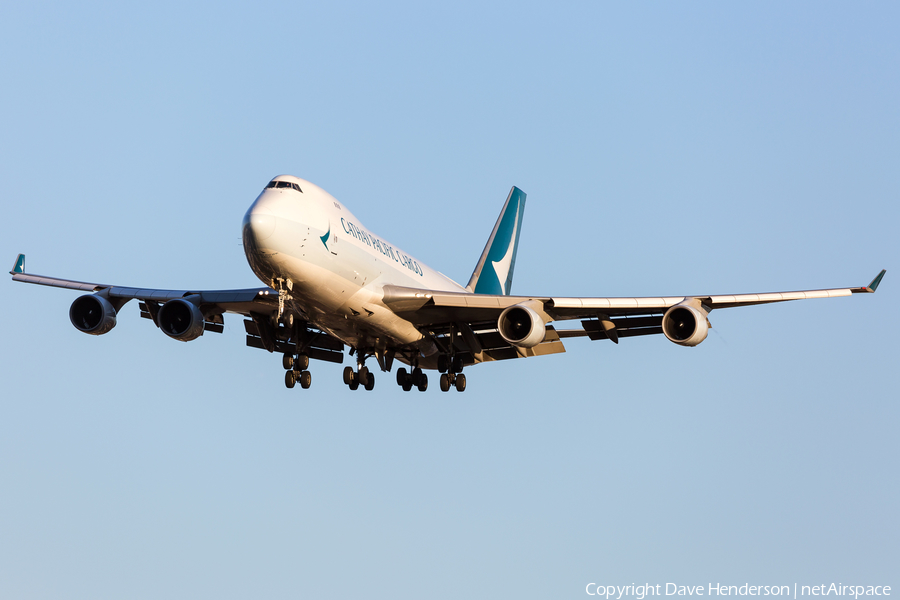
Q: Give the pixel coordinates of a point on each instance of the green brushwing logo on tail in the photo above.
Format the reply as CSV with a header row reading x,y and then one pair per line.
x,y
494,273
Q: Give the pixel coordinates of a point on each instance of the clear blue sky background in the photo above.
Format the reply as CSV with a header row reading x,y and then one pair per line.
x,y
672,148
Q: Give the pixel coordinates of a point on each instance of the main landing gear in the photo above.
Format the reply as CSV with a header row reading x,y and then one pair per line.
x,y
295,370
361,377
451,373
457,380
407,380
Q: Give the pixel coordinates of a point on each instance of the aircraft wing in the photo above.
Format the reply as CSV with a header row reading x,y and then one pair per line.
x,y
474,316
261,306
263,300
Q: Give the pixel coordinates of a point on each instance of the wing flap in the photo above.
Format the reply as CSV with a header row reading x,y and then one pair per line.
x,y
286,348
301,338
496,348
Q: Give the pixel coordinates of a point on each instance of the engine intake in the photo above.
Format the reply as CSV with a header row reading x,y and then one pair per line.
x,y
92,314
521,326
181,320
686,324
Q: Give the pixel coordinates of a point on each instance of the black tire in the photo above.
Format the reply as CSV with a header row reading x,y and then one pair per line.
x,y
354,385
305,380
301,363
363,376
407,385
370,382
460,383
445,383
423,383
417,375
289,379
401,376
287,361
443,363
457,364
348,375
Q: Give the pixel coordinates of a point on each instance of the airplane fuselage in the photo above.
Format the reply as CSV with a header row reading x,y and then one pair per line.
x,y
299,238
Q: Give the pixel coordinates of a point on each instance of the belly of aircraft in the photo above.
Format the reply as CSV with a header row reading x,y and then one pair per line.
x,y
345,303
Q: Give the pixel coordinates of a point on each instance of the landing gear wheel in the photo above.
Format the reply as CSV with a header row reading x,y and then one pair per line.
x,y
289,379
401,376
301,363
354,385
407,385
363,376
287,361
457,364
445,383
423,382
305,379
348,375
370,382
460,383
417,376
443,363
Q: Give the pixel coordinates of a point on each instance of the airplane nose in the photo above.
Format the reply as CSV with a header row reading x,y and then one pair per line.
x,y
261,224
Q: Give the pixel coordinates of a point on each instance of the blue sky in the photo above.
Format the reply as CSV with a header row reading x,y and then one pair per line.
x,y
665,149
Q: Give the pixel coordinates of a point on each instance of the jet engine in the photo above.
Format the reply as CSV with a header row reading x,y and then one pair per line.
x,y
180,320
92,314
521,326
686,324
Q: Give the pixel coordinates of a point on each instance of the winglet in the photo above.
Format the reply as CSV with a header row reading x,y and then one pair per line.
x,y
874,285
19,267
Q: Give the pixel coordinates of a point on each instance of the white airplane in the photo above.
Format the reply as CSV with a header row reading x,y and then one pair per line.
x,y
332,283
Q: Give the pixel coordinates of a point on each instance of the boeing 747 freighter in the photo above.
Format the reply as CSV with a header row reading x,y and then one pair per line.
x,y
331,283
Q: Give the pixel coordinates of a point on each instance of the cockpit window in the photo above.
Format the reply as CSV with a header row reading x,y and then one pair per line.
x,y
284,184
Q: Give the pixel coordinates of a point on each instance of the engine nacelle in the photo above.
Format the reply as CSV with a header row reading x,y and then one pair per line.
x,y
521,325
686,324
92,314
181,320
